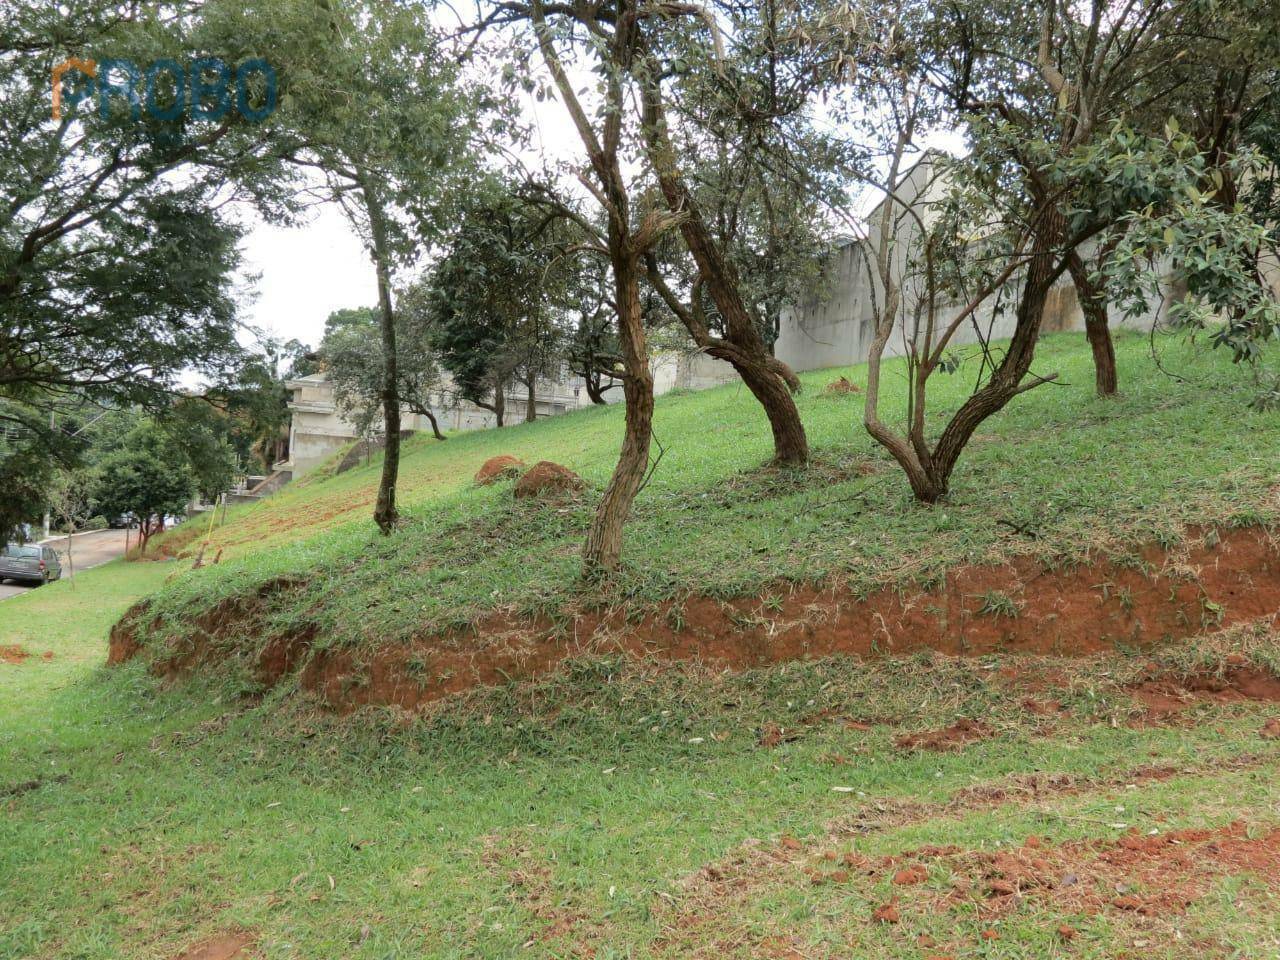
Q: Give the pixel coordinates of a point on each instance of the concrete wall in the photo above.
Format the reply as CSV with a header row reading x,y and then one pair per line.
x,y
836,329
836,326
318,430
688,371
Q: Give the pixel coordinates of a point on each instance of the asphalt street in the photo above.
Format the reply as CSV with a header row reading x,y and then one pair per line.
x,y
87,550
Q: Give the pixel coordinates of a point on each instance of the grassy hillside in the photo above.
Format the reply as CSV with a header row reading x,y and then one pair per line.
x,y
1072,472
900,808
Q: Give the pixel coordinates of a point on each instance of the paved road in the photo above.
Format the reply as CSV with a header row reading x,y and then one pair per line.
x,y
88,550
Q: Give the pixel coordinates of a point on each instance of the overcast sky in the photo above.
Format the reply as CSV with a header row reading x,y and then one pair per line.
x,y
307,272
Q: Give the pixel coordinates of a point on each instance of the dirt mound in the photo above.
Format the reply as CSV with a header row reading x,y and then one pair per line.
x,y
547,480
502,467
230,946
954,737
841,386
1075,611
12,653
207,635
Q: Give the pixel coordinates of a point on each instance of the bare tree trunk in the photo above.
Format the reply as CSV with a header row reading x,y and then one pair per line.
x,y
594,393
385,514
603,548
435,426
1093,306
1007,380
500,402
531,405
764,376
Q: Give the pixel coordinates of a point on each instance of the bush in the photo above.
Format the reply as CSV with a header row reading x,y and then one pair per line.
x,y
96,523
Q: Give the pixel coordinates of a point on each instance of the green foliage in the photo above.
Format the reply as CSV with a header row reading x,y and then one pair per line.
x,y
146,478
352,354
490,303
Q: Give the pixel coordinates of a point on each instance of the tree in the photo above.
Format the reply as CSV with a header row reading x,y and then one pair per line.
x,y
353,362
495,296
742,345
376,117
71,503
147,478
1053,168
630,231
115,264
591,348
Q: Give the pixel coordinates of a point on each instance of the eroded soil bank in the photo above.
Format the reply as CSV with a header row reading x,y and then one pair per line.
x,y
1212,579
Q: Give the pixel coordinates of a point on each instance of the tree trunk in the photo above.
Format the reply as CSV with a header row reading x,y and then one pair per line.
x,y
435,426
1093,305
531,405
603,548
594,393
753,362
500,402
385,514
1006,380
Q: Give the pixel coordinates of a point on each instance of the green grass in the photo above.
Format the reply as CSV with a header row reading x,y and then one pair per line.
x,y
1078,472
568,815
575,815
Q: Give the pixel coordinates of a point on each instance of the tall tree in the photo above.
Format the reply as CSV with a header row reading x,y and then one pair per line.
x,y
379,117
555,32
1053,168
495,299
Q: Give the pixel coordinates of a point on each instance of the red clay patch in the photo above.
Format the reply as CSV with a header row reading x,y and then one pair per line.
x,y
953,737
887,913
1061,612
1162,695
12,653
840,386
229,946
502,467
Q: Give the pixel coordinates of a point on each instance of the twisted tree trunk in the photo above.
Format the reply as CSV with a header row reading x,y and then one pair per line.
x,y
603,548
1007,380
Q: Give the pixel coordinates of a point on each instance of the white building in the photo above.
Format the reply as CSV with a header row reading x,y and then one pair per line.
x,y
317,429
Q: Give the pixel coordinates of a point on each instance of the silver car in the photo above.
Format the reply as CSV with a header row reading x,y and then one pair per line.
x,y
31,563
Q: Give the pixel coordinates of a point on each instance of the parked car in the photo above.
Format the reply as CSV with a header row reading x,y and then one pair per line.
x,y
30,563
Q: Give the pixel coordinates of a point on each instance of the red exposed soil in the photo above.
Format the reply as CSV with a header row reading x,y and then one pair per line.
x,y
1064,612
1134,878
230,946
12,653
547,480
1164,695
1152,875
501,467
953,737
